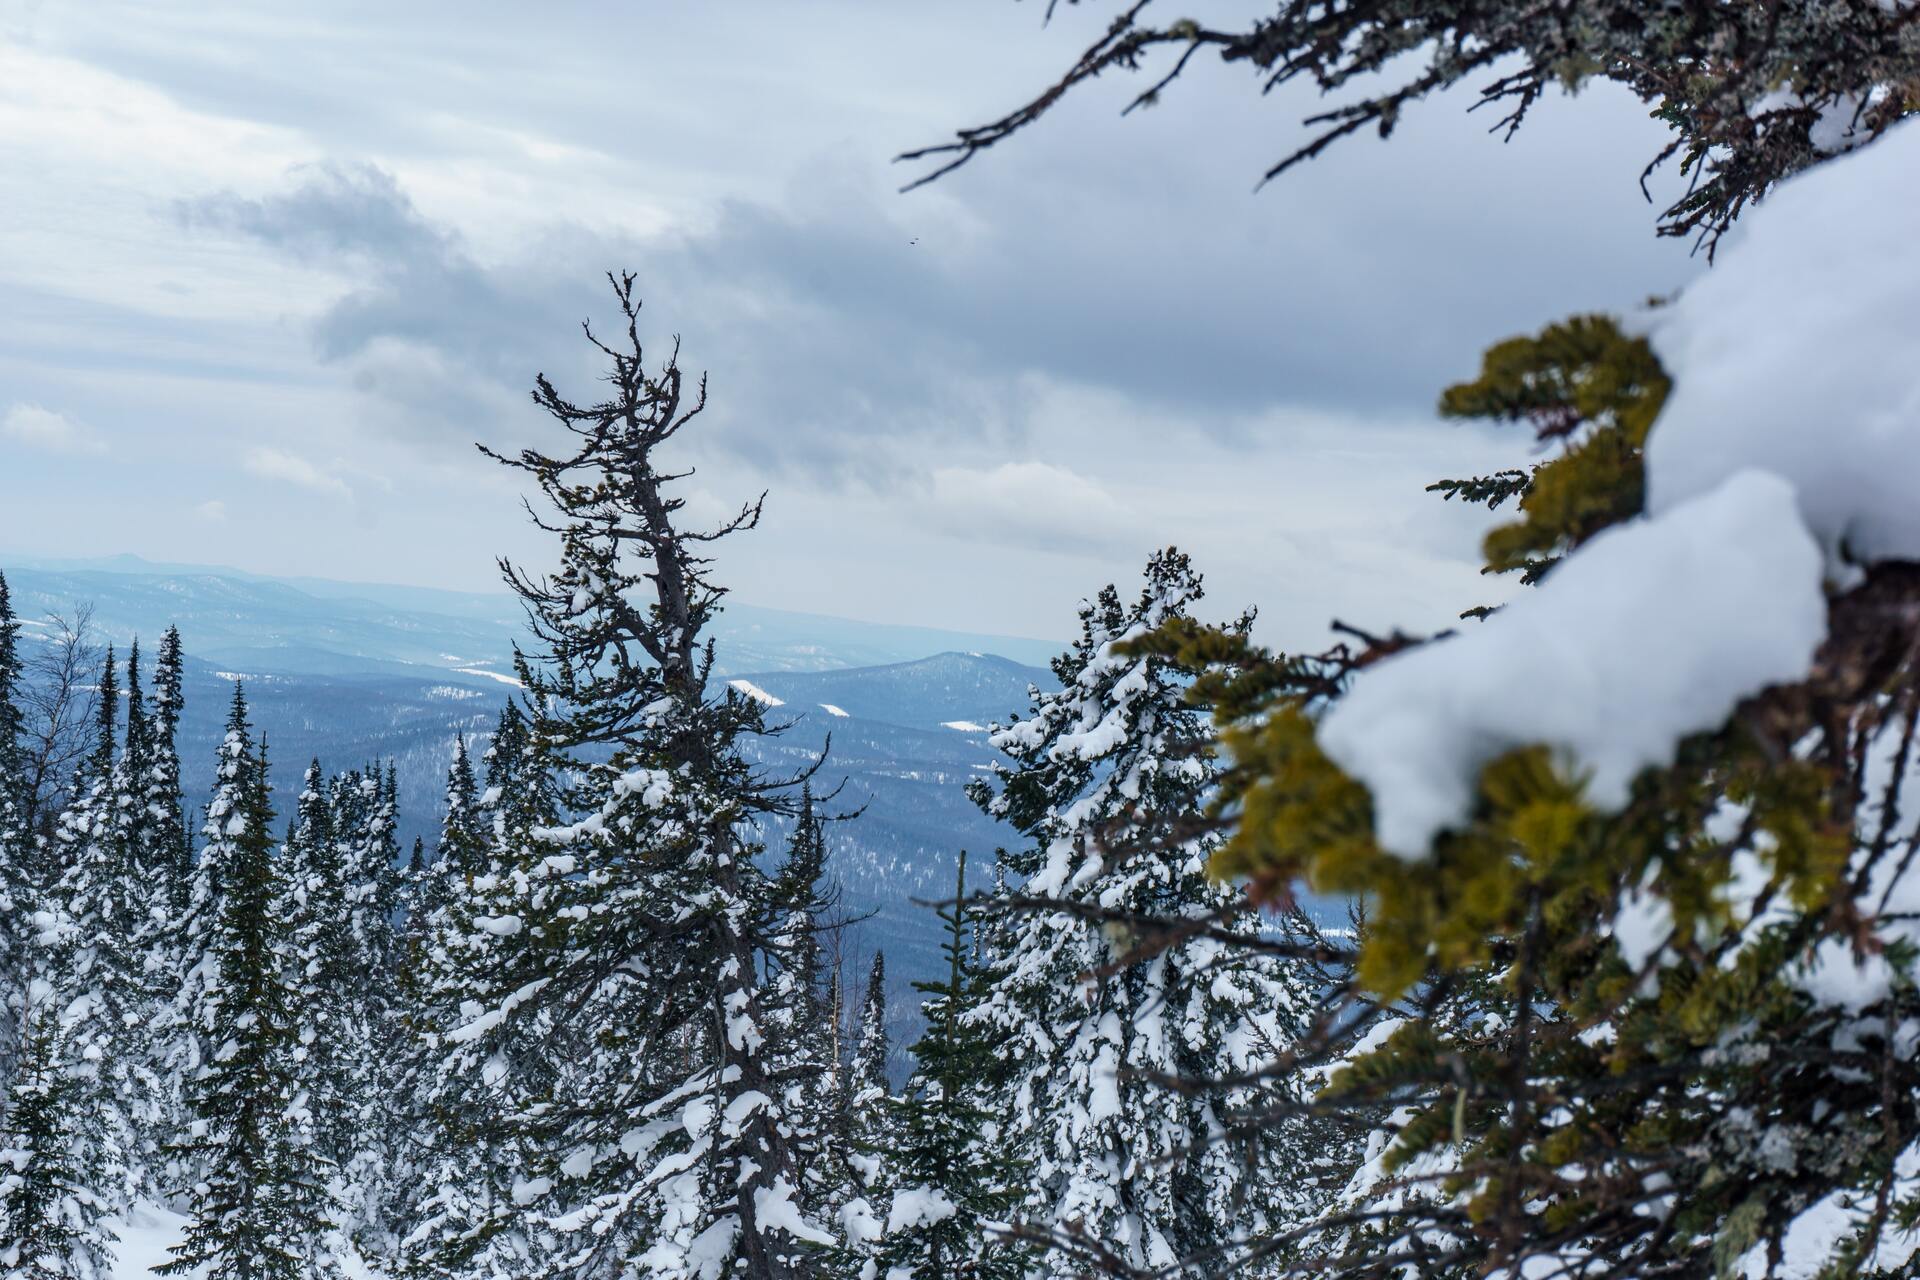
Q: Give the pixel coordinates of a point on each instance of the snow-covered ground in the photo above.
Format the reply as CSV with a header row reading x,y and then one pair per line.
x,y
151,1230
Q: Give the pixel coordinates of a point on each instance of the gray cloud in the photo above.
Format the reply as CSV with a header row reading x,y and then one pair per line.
x,y
933,386
840,315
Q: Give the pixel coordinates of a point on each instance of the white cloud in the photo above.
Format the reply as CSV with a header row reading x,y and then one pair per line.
x,y
1030,504
39,428
277,464
213,511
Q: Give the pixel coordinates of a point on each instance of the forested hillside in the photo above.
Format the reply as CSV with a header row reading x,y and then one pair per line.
x,y
354,683
610,928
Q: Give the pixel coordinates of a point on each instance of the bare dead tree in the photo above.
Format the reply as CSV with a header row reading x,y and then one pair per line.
x,y
59,702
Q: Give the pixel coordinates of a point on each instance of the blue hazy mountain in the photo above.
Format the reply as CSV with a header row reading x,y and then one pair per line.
x,y
249,622
894,752
354,674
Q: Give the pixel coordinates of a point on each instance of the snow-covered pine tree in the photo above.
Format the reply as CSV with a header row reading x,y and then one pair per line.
x,y
386,864
1114,968
15,842
836,1011
11,674
434,886
98,958
365,824
253,1185
57,1187
168,846
325,968
373,1170
129,810
99,762
463,1212
461,852
665,1148
165,853
867,1085
954,1183
344,854
802,1040
501,758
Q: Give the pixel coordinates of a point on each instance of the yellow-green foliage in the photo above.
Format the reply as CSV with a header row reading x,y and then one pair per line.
x,y
1597,389
1532,840
1507,922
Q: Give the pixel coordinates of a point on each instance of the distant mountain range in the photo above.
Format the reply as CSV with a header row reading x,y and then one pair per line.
x,y
352,674
248,621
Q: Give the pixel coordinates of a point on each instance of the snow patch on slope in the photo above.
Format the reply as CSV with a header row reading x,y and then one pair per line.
x,y
758,694
491,675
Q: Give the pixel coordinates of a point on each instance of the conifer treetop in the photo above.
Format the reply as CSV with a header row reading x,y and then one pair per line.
x,y
609,654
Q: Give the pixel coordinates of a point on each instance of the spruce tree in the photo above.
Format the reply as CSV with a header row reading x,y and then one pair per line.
x,y
255,1197
99,762
802,1039
56,1183
15,842
87,816
461,852
665,1145
955,1184
100,960
365,823
383,1073
346,896
326,970
11,772
867,1085
131,815
463,1211
1112,975
168,846
502,757
166,856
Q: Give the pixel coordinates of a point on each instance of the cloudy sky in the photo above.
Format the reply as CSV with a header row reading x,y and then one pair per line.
x,y
266,271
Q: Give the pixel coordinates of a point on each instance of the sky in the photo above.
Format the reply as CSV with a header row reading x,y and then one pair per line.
x,y
267,272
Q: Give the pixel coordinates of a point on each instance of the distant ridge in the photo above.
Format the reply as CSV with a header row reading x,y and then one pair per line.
x,y
324,625
356,673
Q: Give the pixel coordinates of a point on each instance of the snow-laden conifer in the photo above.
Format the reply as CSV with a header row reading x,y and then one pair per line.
x,y
867,1087
662,1145
1113,971
803,1042
15,841
326,970
58,1186
168,846
249,1175
463,1216
951,1182
461,851
101,935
